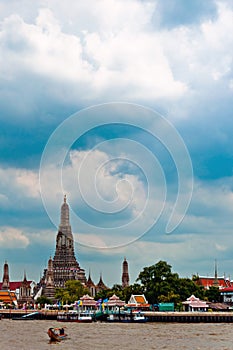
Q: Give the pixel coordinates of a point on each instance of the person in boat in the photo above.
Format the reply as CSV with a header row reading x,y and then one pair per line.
x,y
62,331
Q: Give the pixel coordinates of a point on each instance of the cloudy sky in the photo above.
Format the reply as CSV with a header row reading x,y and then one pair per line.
x,y
126,107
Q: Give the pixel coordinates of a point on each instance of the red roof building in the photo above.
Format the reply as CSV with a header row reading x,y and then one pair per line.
x,y
194,304
208,282
138,301
114,303
7,297
13,285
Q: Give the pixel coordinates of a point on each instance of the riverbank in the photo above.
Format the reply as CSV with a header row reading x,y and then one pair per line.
x,y
152,316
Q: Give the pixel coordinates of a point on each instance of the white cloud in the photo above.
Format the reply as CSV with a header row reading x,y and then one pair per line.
x,y
22,182
127,61
85,52
12,238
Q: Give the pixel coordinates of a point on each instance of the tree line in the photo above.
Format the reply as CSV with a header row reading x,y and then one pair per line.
x,y
157,282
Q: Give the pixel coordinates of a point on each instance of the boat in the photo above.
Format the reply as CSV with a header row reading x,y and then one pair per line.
x,y
135,317
83,317
31,316
56,334
73,316
138,318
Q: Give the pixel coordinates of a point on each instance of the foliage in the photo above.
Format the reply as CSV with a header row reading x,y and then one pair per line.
x,y
171,297
102,294
43,300
161,285
186,287
213,294
73,291
157,282
132,289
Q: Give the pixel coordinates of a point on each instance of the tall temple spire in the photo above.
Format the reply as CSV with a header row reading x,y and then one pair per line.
x,y
49,290
215,282
125,274
65,265
5,279
65,218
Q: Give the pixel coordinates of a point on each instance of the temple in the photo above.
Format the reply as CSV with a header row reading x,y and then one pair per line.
x,y
65,265
62,268
125,274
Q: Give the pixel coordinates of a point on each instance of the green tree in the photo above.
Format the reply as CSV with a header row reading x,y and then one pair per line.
x,y
135,288
102,294
43,300
73,291
157,280
160,284
213,294
171,297
186,287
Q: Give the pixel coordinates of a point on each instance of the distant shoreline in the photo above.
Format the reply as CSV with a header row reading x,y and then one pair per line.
x,y
153,316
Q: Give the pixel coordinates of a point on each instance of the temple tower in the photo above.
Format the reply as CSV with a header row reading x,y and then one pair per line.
x,y
5,279
25,291
101,286
49,290
91,285
65,265
125,274
216,282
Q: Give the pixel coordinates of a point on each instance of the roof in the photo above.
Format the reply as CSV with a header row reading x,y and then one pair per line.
x,y
89,282
227,289
114,300
195,302
207,282
218,306
15,285
138,301
8,297
87,300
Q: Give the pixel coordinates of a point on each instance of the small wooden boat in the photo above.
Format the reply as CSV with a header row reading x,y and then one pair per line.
x,y
56,334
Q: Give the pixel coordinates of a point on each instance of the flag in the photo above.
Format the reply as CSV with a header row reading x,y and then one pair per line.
x,y
105,300
98,303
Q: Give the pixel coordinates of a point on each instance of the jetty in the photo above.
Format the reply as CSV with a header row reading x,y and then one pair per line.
x,y
29,314
152,316
189,317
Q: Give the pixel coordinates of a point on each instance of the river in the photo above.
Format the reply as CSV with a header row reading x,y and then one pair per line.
x,y
24,335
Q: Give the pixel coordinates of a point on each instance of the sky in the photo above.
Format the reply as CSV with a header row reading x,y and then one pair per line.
x,y
125,107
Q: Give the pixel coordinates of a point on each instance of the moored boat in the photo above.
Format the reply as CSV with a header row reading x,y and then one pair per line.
x,y
75,317
135,317
138,318
56,334
83,317
31,316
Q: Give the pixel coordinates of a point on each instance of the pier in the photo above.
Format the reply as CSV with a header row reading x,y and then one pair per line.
x,y
189,317
152,316
42,314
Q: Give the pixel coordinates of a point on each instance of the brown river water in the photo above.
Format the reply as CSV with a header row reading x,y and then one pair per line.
x,y
32,335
